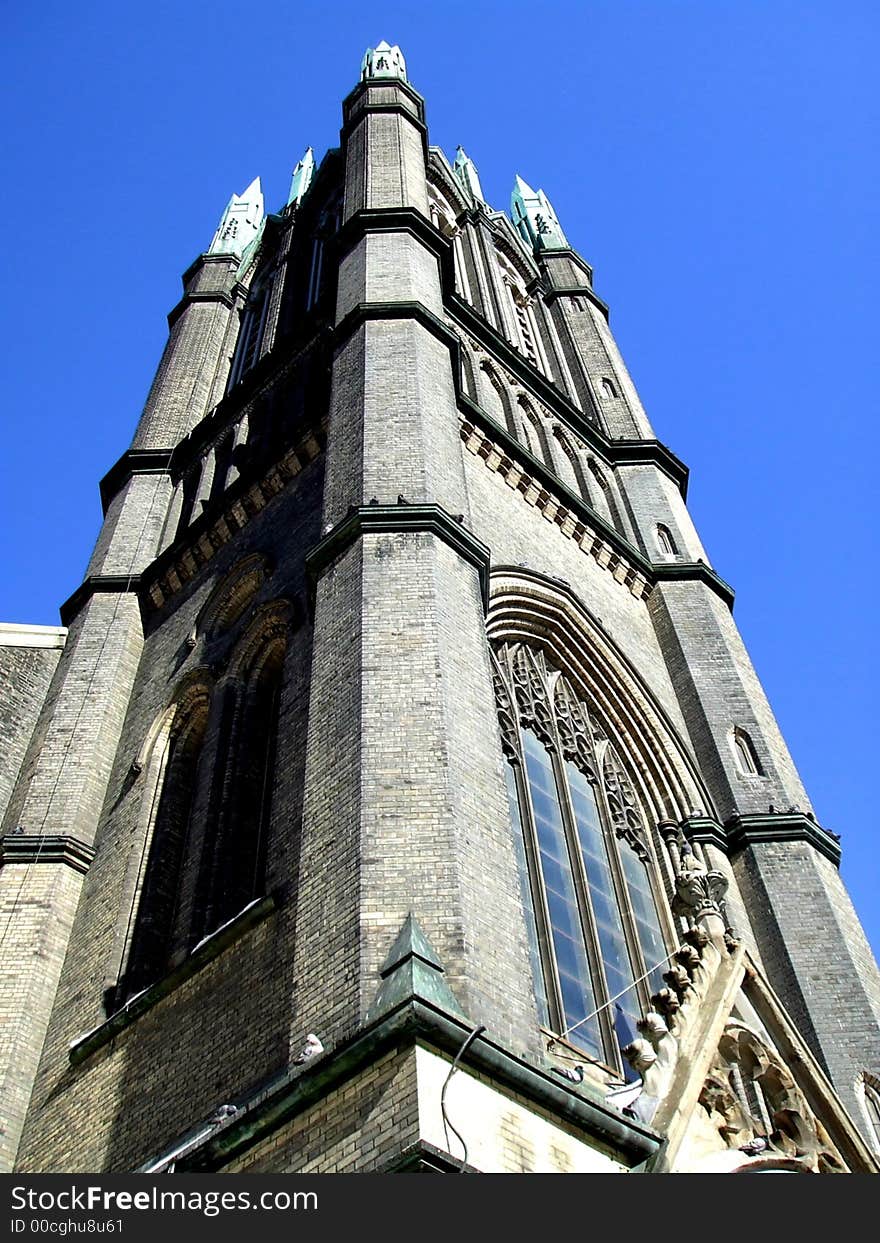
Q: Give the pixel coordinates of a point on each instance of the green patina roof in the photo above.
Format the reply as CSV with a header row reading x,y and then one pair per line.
x,y
413,969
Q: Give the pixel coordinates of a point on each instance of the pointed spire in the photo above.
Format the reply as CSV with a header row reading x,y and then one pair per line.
x,y
383,61
240,222
466,172
535,218
412,971
302,177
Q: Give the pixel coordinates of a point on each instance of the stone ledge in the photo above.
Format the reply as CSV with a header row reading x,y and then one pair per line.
x,y
391,519
398,220
205,952
739,832
94,585
213,295
133,462
418,1022
46,848
795,826
578,291
13,634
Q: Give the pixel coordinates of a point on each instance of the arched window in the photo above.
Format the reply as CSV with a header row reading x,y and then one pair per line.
x,y
233,871
496,398
665,542
172,771
253,326
574,474
534,433
597,946
744,753
608,389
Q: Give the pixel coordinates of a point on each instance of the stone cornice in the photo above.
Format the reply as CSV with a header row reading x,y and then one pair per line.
x,y
578,291
46,848
363,312
417,1022
399,220
693,572
132,462
755,830
741,831
205,295
557,503
352,113
97,584
390,519
47,637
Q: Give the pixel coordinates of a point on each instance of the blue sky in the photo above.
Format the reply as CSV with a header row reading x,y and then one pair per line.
x,y
713,161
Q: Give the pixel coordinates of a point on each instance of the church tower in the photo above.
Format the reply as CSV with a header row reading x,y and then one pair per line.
x,y
401,795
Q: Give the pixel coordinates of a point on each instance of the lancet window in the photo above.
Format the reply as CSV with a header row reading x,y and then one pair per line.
x,y
172,783
586,858
207,796
252,331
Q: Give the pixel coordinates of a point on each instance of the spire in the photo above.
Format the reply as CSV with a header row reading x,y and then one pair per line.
x,y
466,172
302,177
240,221
383,61
535,218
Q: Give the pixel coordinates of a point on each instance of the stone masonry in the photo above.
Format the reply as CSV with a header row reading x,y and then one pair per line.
x,y
389,427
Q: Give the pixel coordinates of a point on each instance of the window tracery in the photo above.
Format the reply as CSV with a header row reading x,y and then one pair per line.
x,y
587,857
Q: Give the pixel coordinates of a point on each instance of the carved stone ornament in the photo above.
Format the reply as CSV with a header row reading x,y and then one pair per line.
x,y
756,1106
531,695
574,729
698,892
622,804
506,713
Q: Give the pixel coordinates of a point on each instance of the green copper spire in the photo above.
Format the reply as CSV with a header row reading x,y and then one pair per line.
x,y
383,61
240,222
412,970
535,218
302,177
466,172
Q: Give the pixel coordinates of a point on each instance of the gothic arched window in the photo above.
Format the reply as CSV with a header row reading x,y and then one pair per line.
x,y
597,946
233,870
249,346
665,541
173,771
744,753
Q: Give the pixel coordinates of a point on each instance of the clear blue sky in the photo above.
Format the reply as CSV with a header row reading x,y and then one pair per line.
x,y
713,161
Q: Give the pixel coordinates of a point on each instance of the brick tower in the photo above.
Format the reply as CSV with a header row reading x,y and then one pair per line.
x,y
400,719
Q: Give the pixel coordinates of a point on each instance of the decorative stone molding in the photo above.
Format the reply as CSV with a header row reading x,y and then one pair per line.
x,y
185,558
753,1102
570,523
46,848
698,892
375,519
